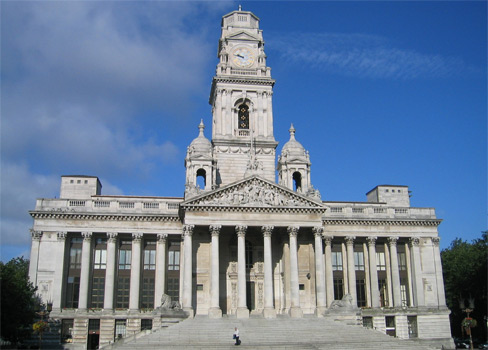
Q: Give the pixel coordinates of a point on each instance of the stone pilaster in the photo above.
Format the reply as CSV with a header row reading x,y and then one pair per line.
x,y
395,273
34,255
351,268
215,311
319,272
58,272
108,301
85,271
135,272
188,272
441,296
160,278
242,310
269,310
418,287
295,310
329,277
373,272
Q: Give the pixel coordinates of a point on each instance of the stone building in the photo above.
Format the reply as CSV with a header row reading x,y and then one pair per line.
x,y
239,242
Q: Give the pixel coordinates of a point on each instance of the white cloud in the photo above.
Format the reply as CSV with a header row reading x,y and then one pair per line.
x,y
363,56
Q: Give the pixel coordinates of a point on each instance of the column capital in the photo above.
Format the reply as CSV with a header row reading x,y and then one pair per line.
x,y
267,230
188,230
317,230
293,230
215,229
350,240
162,237
414,241
61,235
112,237
392,240
241,230
136,237
87,235
36,235
436,241
328,240
371,240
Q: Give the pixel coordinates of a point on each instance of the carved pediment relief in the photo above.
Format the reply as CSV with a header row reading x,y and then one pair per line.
x,y
253,192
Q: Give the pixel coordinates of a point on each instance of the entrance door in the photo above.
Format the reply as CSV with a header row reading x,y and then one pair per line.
x,y
93,341
250,295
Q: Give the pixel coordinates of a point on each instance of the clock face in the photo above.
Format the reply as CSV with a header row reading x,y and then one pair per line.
x,y
242,57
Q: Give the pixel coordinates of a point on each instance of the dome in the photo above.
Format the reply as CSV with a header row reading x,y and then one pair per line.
x,y
293,148
201,145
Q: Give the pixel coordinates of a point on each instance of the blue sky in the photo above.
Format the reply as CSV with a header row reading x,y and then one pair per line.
x,y
379,93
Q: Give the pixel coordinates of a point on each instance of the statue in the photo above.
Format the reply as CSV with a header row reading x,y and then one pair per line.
x,y
344,304
167,304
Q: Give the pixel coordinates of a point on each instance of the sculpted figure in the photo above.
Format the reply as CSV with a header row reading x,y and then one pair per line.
x,y
344,303
166,303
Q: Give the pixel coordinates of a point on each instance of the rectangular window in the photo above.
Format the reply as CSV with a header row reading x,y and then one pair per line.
x,y
402,262
382,286
338,288
93,325
100,262
361,292
67,331
368,322
72,292
173,288
98,290
173,260
359,261
75,258
404,291
120,328
147,295
149,259
125,256
390,326
380,261
123,291
146,324
337,261
412,326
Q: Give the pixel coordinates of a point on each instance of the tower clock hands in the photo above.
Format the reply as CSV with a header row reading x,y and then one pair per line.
x,y
239,55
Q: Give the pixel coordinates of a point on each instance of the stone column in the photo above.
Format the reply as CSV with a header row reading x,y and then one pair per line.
x,y
188,272
215,311
295,310
409,275
160,275
351,269
373,272
418,286
319,272
395,273
58,272
34,255
135,272
108,299
441,296
329,277
85,270
242,310
269,310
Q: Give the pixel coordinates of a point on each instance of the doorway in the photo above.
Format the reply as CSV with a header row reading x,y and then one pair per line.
x,y
250,292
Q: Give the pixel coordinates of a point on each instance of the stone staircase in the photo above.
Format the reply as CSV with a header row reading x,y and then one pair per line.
x,y
258,333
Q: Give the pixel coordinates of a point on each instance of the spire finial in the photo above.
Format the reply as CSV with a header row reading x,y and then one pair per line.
x,y
240,8
201,127
292,132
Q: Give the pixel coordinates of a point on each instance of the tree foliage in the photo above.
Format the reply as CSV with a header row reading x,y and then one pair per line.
x,y
464,267
18,300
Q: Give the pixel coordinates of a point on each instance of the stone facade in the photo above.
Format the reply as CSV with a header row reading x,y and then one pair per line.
x,y
240,243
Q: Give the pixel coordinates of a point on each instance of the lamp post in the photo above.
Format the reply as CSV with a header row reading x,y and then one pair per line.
x,y
41,326
468,322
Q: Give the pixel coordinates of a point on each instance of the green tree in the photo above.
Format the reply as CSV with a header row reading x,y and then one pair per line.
x,y
18,300
464,267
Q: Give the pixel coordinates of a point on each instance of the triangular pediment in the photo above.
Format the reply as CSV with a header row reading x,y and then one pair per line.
x,y
253,191
242,36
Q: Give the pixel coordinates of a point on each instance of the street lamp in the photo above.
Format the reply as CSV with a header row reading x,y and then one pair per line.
x,y
468,322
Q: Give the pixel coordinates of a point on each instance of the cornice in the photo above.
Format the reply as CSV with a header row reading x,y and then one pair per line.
x,y
98,217
383,222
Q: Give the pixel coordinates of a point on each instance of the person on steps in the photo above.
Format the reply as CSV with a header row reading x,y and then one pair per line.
x,y
236,337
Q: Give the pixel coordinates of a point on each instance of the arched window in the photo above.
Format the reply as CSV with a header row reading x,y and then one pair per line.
x,y
201,178
243,116
297,181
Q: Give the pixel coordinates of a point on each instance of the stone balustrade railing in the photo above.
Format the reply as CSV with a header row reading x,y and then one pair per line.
x,y
366,210
112,205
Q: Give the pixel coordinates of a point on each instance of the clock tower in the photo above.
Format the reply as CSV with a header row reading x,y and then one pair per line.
x,y
241,100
